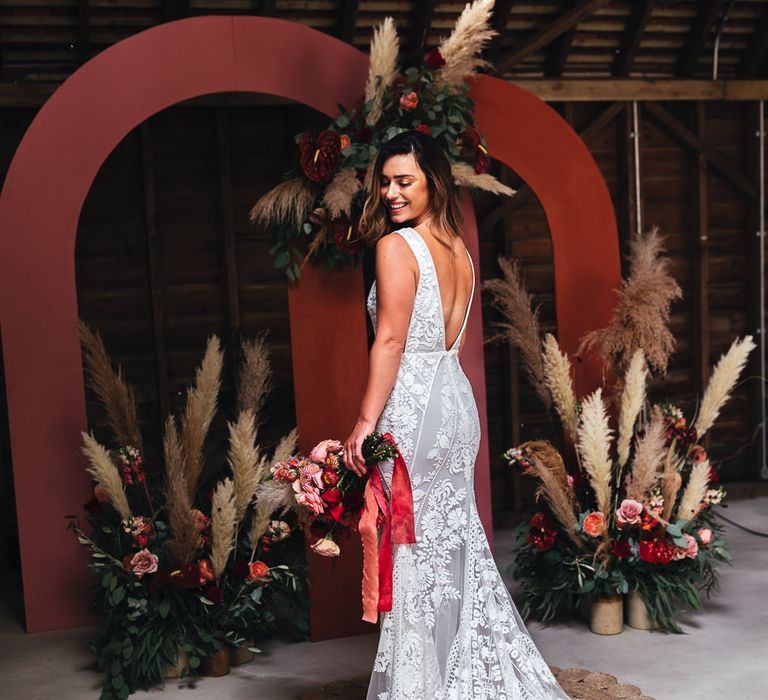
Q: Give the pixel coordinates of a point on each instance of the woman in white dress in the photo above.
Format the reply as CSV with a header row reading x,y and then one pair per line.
x,y
454,631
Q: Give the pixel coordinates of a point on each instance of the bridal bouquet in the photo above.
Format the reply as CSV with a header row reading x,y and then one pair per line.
x,y
329,497
314,212
628,509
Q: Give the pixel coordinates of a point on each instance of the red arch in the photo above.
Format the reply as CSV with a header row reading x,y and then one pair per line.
x,y
44,190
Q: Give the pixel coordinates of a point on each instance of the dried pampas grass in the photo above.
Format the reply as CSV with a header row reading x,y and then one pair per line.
x,y
549,469
382,70
104,471
557,375
671,481
199,411
244,461
593,445
722,382
649,456
286,448
341,191
464,175
178,501
290,201
521,328
632,400
255,380
271,496
695,491
641,316
111,389
461,50
223,525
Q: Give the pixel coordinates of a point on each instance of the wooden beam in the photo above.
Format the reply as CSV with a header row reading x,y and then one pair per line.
x,y
268,8
417,37
552,30
701,344
84,31
684,135
758,47
709,11
630,42
502,9
348,20
626,177
174,9
232,341
154,273
608,90
596,125
557,54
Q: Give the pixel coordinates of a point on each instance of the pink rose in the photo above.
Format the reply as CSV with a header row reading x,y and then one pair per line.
x,y
409,102
321,450
629,512
594,524
326,548
705,535
201,519
308,498
690,551
143,562
311,474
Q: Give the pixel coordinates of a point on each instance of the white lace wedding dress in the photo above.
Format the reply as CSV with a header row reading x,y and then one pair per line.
x,y
454,632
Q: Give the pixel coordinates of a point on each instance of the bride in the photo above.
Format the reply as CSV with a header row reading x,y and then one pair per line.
x,y
453,631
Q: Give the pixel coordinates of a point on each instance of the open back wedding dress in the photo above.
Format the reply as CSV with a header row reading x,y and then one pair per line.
x,y
454,632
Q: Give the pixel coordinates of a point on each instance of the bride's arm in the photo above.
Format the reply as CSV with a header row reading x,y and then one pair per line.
x,y
396,278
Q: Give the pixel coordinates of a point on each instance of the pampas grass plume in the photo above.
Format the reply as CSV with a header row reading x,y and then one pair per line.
x,y
244,461
594,441
695,491
341,191
649,456
177,499
632,399
722,381
105,472
382,69
223,525
557,375
290,201
255,380
464,175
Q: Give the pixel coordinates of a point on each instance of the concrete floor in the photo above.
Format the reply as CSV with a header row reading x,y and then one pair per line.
x,y
723,655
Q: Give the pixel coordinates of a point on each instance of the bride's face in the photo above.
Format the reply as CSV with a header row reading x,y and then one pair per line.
x,y
404,189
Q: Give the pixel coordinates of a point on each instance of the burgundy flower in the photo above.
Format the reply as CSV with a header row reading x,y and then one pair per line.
x,y
714,479
364,134
320,155
657,551
332,497
542,521
621,549
240,570
345,233
434,59
542,540
215,595
482,161
424,129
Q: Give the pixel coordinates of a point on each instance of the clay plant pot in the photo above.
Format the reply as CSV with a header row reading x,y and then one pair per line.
x,y
607,615
636,612
175,670
239,655
217,664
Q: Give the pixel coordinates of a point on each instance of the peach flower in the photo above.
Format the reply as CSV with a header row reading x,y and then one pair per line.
x,y
321,450
705,535
258,571
594,524
344,141
409,102
101,494
326,548
690,551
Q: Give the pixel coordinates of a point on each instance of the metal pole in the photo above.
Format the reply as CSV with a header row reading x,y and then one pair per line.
x,y
761,330
636,146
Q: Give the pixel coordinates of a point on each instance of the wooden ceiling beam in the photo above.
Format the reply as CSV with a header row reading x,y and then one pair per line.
x,y
174,9
685,136
557,54
268,8
630,42
758,47
417,38
549,32
84,30
348,20
502,9
709,11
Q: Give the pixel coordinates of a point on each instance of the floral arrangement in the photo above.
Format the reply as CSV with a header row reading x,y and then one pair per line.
x,y
314,213
329,497
626,509
183,571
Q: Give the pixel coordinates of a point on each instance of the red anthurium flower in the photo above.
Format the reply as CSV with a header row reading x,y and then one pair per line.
x,y
320,155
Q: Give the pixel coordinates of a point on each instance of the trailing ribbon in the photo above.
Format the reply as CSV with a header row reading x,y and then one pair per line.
x,y
398,528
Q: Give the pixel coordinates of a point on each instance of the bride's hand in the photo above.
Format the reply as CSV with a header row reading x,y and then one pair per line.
x,y
353,448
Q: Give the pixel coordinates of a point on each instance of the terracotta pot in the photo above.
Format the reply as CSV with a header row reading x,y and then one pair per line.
x,y
607,615
217,664
175,670
240,655
636,612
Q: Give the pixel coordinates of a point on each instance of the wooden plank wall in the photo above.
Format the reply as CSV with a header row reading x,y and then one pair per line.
x,y
165,255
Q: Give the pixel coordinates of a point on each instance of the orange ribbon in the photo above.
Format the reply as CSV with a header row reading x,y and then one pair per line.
x,y
398,528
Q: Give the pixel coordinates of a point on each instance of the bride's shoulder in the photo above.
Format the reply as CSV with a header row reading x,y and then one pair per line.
x,y
391,243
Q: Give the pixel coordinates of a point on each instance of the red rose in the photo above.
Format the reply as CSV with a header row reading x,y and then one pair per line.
x,y
542,521
215,595
320,156
657,551
434,59
257,572
331,497
542,540
337,512
424,129
621,549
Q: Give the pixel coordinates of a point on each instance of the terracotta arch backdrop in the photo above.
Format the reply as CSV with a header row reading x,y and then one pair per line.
x,y
44,190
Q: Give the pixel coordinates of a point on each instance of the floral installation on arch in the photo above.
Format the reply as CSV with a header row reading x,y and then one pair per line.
x,y
185,569
625,509
313,214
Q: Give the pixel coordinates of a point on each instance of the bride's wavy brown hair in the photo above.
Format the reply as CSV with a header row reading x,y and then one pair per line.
x,y
444,205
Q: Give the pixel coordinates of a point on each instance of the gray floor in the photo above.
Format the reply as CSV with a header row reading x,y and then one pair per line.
x,y
723,655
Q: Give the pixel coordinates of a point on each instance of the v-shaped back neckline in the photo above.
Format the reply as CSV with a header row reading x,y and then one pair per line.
x,y
440,296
